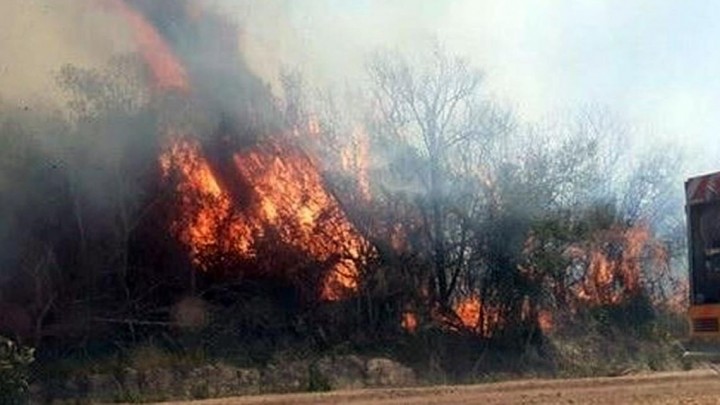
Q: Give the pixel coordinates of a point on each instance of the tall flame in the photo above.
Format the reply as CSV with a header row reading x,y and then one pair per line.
x,y
206,206
286,198
167,71
292,199
285,193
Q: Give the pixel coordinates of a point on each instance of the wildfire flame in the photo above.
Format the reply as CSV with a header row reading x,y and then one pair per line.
x,y
475,316
468,309
612,271
167,71
286,197
283,191
409,321
283,195
206,206
293,199
545,321
614,266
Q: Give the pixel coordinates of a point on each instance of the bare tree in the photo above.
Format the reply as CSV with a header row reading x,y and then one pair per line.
x,y
434,105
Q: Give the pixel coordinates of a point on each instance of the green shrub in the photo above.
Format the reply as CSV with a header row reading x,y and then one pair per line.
x,y
14,363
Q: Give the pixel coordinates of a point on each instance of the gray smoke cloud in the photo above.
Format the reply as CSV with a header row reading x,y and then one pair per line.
x,y
40,36
543,58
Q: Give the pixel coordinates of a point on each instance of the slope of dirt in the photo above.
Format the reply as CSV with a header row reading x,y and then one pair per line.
x,y
692,387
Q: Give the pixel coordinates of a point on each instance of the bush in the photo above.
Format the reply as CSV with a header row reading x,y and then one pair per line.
x,y
14,363
317,381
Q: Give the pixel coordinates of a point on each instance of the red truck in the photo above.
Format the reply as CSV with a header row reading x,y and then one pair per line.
x,y
703,229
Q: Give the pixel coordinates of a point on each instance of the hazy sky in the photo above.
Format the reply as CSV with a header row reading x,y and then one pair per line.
x,y
657,62
38,37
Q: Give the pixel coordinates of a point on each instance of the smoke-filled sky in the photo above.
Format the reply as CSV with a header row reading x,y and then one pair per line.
x,y
656,62
37,37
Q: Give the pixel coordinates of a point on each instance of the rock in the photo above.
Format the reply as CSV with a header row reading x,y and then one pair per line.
x,y
198,385
250,378
130,381
73,387
229,380
223,380
159,384
343,372
102,386
290,377
220,380
382,372
157,381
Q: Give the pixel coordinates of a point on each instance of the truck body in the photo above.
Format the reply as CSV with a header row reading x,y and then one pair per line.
x,y
703,226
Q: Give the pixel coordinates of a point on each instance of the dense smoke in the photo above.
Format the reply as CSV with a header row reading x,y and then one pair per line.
x,y
207,45
95,145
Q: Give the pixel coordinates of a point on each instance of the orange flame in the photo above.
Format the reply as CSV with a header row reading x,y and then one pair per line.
x,y
612,276
409,321
614,266
168,72
205,204
477,317
545,321
468,309
287,194
286,197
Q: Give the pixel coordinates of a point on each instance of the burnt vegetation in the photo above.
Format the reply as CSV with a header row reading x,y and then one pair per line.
x,y
415,216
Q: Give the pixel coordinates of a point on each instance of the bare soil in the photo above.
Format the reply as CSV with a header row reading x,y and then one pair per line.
x,y
691,387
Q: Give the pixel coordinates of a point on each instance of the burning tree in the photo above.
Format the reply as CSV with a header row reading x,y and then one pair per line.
x,y
497,192
155,149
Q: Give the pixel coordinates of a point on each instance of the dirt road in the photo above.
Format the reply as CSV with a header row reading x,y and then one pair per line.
x,y
693,387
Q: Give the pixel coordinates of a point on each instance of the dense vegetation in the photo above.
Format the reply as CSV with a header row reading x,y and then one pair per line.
x,y
496,244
